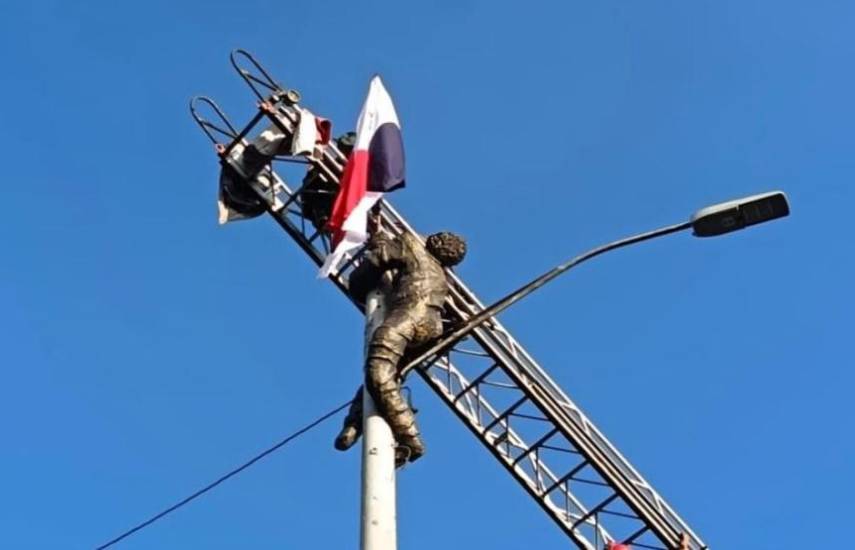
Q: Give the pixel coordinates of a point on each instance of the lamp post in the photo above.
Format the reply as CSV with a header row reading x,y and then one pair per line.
x,y
710,221
378,525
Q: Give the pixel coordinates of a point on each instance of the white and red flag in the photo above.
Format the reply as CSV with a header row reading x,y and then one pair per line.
x,y
375,167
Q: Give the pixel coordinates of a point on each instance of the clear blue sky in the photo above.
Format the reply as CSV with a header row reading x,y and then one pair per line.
x,y
146,350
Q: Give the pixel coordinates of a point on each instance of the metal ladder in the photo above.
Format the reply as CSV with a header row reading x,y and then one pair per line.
x,y
491,383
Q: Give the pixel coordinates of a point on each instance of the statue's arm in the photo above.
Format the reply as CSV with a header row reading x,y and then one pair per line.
x,y
384,252
364,278
381,254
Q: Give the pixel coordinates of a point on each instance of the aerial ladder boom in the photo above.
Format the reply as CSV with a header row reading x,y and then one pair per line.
x,y
508,402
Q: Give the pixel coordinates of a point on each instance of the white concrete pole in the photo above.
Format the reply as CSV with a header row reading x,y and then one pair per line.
x,y
379,515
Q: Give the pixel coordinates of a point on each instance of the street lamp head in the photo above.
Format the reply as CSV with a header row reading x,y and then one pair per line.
x,y
740,213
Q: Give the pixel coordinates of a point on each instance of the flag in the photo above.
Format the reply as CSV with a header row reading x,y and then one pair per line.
x,y
374,167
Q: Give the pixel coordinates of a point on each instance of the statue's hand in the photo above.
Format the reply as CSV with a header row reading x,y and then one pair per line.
x,y
375,222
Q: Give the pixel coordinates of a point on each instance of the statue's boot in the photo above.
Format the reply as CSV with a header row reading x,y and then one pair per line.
x,y
347,438
386,392
410,449
414,445
351,430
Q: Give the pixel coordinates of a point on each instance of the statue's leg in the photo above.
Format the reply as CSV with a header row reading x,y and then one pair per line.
x,y
351,430
387,346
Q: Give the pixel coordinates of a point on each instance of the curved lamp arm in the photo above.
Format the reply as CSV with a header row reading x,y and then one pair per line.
x,y
710,221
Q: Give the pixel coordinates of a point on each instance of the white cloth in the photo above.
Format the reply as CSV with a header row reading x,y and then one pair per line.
x,y
305,135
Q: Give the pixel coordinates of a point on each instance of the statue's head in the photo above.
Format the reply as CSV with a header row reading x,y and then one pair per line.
x,y
446,247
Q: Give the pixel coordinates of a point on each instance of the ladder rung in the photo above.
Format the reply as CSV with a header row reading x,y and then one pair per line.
x,y
640,545
560,449
480,378
505,414
632,537
532,417
620,514
594,510
470,352
592,482
536,445
500,385
566,476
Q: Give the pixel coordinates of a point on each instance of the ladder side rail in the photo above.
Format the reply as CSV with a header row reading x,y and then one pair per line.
x,y
295,232
544,383
609,469
557,513
527,368
599,461
531,368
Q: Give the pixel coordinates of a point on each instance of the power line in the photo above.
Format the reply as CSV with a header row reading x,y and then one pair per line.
x,y
234,472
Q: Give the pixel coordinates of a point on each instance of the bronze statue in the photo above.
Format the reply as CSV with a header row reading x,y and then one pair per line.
x,y
415,291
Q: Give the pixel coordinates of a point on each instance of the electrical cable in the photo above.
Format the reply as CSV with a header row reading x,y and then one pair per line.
x,y
223,478
443,343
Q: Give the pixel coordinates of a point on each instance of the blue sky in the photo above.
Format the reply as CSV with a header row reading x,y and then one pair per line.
x,y
147,351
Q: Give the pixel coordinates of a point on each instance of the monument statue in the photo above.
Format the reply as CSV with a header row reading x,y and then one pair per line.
x,y
412,278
